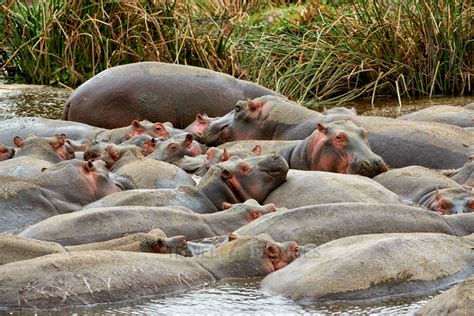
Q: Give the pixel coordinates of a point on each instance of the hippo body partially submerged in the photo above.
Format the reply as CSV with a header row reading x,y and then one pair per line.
x,y
158,92
111,276
319,224
448,114
368,268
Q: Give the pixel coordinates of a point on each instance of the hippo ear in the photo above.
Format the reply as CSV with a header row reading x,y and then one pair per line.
x,y
226,205
188,140
322,128
158,246
254,214
200,119
272,250
226,174
113,152
153,141
470,205
257,150
232,237
353,109
136,125
88,166
270,207
225,155
18,141
59,141
254,105
325,110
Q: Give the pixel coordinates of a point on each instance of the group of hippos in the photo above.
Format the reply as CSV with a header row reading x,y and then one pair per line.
x,y
164,177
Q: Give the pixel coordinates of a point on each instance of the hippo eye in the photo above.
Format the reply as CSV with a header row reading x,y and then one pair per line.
x,y
173,147
339,137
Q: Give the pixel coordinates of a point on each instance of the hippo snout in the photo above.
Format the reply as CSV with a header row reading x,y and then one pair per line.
x,y
368,168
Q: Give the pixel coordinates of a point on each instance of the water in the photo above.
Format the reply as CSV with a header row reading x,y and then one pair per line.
x,y
225,297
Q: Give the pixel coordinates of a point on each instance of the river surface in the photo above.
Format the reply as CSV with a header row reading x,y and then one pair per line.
x,y
225,297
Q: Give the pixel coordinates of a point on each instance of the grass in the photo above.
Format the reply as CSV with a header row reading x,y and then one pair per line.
x,y
312,51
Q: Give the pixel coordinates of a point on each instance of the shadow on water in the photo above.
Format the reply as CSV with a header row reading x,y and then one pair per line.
x,y
244,296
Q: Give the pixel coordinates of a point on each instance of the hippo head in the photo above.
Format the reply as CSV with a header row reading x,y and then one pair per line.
x,y
251,208
6,152
247,257
238,180
146,142
177,245
174,149
47,148
199,127
147,127
453,201
95,150
343,147
115,156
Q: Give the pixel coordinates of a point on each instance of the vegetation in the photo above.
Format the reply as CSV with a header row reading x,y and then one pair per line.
x,y
312,51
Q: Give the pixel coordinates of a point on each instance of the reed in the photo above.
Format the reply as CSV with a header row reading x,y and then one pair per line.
x,y
323,52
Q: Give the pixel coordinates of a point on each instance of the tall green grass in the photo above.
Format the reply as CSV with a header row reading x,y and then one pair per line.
x,y
369,48
321,51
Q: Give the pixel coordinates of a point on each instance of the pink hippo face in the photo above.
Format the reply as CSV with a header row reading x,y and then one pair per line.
x,y
343,147
147,127
453,201
174,149
47,148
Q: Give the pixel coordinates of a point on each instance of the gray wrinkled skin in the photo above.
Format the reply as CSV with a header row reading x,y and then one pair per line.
x,y
448,114
100,224
319,187
458,300
319,224
158,92
370,268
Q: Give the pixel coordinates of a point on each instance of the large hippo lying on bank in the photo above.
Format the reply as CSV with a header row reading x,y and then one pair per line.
x,y
233,181
92,277
319,224
375,267
99,224
303,188
158,92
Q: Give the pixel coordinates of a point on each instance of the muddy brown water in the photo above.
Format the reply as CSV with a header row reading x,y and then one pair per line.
x,y
225,297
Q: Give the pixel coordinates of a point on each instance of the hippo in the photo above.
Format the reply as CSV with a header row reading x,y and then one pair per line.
x,y
303,188
464,175
50,149
22,167
429,189
233,181
6,152
469,106
174,149
102,276
200,125
266,118
23,126
16,248
319,224
146,90
339,110
338,146
201,163
458,300
454,115
136,128
146,142
65,187
100,224
404,143
377,267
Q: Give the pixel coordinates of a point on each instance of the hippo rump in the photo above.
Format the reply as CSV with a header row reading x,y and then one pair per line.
x,y
303,188
454,115
100,224
370,268
23,126
101,276
149,90
404,143
465,174
458,300
319,224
